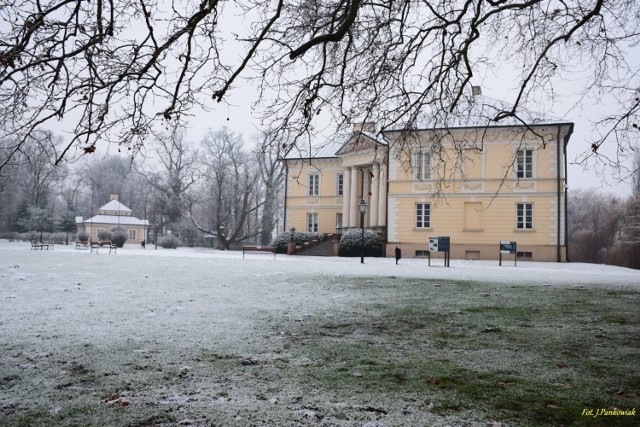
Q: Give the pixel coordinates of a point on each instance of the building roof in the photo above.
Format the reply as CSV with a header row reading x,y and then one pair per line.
x,y
481,111
115,220
478,111
115,205
325,150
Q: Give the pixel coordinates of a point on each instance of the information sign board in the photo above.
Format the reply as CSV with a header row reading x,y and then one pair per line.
x,y
507,247
439,244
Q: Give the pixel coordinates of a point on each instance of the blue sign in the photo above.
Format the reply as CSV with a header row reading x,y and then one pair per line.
x,y
507,247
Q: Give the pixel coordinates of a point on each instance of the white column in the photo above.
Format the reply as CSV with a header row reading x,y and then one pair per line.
x,y
366,189
346,198
382,196
373,208
353,202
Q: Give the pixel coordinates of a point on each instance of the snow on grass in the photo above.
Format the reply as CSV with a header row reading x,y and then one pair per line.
x,y
201,337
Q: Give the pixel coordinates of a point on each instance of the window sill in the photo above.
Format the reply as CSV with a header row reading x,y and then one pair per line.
x,y
524,230
423,229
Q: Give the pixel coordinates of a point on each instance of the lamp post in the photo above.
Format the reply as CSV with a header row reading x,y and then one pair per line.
x,y
363,210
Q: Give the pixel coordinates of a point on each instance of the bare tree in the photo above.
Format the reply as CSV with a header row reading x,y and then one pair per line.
x,y
171,178
596,220
635,181
232,179
114,70
39,177
269,156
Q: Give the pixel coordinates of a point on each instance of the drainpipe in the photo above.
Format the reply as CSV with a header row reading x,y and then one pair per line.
x,y
286,184
560,186
558,167
386,216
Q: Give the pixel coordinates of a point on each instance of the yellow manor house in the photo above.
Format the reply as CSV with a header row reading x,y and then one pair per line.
x,y
477,184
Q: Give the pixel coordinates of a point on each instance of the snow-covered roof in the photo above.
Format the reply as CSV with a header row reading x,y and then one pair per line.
x,y
78,220
115,219
325,150
115,205
481,111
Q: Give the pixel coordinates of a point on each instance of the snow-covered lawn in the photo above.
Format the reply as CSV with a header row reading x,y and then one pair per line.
x,y
202,337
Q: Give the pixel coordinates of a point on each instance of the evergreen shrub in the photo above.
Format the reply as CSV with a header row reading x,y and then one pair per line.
x,y
351,242
281,241
169,242
104,235
118,237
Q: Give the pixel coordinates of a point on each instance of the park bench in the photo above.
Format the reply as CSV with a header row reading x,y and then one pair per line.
x,y
35,245
82,245
258,249
103,243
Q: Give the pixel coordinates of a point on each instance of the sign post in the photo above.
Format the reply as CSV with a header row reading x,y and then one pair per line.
x,y
440,244
509,248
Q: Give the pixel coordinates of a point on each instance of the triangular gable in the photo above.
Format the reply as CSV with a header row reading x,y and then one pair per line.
x,y
359,142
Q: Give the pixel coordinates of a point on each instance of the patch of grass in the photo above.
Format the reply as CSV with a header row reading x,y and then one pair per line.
x,y
532,361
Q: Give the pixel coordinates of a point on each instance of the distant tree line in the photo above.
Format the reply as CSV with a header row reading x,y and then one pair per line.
x,y
605,228
221,187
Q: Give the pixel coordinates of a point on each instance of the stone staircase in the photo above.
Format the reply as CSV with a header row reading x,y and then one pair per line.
x,y
324,248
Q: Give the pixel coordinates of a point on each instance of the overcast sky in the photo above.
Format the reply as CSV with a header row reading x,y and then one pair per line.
x,y
236,113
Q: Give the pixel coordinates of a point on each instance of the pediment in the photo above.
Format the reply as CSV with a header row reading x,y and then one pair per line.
x,y
357,143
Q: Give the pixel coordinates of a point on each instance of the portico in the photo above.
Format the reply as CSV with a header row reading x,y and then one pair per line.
x,y
365,178
368,182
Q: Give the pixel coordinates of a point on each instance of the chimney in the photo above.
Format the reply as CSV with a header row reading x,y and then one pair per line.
x,y
476,91
113,197
364,127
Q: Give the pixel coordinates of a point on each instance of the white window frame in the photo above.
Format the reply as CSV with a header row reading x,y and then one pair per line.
x,y
524,216
340,184
132,234
313,184
423,215
312,222
422,165
525,163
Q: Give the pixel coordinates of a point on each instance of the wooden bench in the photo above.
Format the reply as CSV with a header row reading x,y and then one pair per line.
x,y
35,245
258,249
82,245
103,243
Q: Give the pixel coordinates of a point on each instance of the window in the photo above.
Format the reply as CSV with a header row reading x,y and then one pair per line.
x,y
314,184
132,234
312,222
423,215
524,216
422,165
340,184
525,255
339,220
524,168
